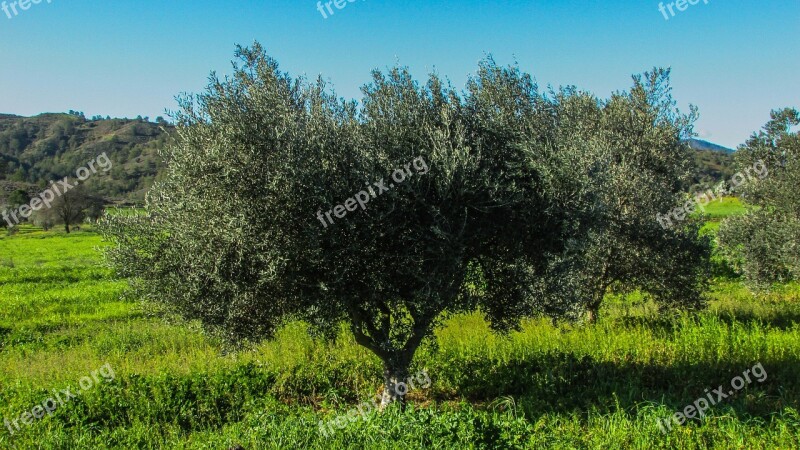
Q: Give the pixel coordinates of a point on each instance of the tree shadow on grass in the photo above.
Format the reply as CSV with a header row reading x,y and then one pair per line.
x,y
563,382
783,320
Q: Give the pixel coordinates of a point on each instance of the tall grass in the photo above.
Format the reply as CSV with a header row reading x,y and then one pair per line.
x,y
62,315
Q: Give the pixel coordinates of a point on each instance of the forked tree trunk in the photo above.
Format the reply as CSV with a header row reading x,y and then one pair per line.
x,y
397,360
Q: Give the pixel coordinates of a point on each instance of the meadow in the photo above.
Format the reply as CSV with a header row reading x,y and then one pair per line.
x,y
64,315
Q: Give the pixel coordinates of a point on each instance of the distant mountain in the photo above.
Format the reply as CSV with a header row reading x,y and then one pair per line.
x,y
699,144
36,150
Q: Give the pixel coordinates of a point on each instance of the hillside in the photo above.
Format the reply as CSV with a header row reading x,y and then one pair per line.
x,y
35,150
713,163
699,144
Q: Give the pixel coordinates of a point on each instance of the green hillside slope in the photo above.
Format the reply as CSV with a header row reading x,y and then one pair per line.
x,y
35,150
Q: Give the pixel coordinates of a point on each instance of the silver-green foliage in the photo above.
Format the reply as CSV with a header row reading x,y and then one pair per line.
x,y
765,243
639,166
231,236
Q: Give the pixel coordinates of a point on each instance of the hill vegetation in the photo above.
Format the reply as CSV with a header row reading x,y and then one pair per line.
x,y
713,163
37,150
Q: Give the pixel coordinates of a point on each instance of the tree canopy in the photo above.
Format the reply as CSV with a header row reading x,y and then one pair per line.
x,y
474,199
763,243
634,148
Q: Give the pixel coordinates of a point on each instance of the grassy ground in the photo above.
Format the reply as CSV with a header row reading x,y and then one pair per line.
x,y
717,210
724,207
62,317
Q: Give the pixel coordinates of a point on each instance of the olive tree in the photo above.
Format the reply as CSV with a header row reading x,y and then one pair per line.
x,y
44,218
637,164
508,116
386,215
379,215
764,244
615,165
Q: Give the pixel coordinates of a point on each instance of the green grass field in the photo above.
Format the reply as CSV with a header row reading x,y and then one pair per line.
x,y
717,210
724,207
63,316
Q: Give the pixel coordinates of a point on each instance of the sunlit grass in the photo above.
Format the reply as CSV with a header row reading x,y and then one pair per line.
x,y
62,315
723,207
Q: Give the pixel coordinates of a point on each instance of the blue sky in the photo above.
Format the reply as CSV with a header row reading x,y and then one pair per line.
x,y
736,60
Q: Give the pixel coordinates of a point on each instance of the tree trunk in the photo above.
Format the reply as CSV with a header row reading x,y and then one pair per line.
x,y
593,313
395,377
66,227
396,358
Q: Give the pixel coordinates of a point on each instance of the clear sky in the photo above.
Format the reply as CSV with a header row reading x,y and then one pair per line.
x,y
736,60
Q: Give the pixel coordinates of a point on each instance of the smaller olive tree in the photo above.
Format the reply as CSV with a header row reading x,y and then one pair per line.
x,y
95,208
44,218
615,165
764,244
628,162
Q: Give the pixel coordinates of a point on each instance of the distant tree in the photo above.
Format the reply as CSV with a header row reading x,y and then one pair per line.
x,y
70,208
20,175
95,209
764,244
45,218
